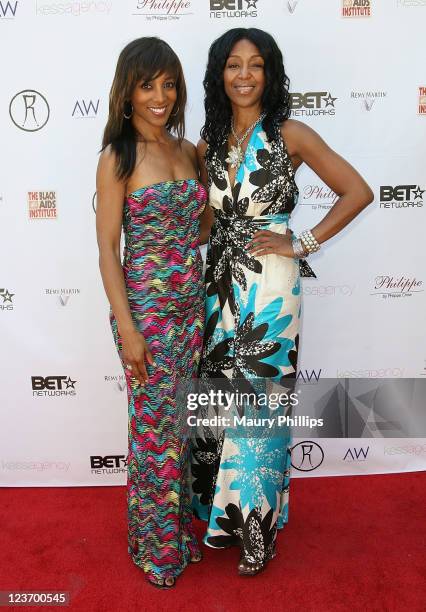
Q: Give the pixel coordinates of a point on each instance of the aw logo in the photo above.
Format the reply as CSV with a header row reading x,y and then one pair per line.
x,y
85,109
312,103
356,454
8,9
401,196
29,110
307,376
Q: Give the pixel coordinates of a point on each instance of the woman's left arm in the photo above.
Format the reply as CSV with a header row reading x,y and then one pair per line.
x,y
305,145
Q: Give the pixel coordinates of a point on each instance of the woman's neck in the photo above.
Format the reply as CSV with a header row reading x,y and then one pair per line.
x,y
245,117
150,133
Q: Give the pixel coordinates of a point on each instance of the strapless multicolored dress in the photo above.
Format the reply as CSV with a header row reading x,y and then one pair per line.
x,y
163,274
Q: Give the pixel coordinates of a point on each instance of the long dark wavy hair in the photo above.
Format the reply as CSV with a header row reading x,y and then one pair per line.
x,y
275,99
144,59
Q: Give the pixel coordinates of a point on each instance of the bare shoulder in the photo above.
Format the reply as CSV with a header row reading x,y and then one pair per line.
x,y
189,149
107,161
201,148
298,137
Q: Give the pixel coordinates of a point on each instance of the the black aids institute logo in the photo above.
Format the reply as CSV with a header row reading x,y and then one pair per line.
x,y
29,110
306,456
8,10
7,299
228,9
401,196
53,386
85,109
312,103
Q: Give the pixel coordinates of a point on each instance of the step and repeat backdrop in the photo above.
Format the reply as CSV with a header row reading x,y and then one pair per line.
x,y
358,77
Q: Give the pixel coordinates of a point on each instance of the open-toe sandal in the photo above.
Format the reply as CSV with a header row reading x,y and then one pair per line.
x,y
162,583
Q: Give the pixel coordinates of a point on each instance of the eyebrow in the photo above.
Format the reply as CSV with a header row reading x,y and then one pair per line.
x,y
251,57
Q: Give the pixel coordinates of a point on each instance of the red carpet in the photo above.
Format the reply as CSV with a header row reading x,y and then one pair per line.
x,y
353,543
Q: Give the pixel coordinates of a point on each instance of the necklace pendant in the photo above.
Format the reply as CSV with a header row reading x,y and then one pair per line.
x,y
235,156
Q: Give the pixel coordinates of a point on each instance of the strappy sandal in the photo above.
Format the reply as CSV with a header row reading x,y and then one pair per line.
x,y
162,583
247,568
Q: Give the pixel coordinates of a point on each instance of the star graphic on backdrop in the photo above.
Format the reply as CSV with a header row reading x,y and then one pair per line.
x,y
329,100
252,3
418,193
70,383
7,297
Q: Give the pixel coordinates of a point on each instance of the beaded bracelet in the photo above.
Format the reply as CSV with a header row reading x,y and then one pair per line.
x,y
309,241
299,251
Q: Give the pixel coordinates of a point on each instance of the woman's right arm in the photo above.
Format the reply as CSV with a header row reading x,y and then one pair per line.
x,y
109,213
207,217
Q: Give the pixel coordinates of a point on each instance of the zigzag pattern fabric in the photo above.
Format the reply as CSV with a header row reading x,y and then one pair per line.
x,y
163,274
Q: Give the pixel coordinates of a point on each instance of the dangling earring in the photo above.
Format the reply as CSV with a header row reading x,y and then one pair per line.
x,y
131,112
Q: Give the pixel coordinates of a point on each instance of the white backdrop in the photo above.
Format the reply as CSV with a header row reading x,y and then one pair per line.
x,y
359,80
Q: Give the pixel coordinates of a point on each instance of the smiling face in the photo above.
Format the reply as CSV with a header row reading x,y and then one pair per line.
x,y
153,101
244,75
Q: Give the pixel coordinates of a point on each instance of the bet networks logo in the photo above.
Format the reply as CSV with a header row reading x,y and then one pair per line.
x,y
318,197
53,386
396,286
228,9
108,464
356,8
7,303
312,103
368,98
422,101
401,196
8,9
63,295
85,109
163,10
42,204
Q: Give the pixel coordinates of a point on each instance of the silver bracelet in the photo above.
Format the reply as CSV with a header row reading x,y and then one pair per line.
x,y
309,241
299,251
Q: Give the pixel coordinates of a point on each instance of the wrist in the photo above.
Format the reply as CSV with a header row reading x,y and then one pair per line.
x,y
126,329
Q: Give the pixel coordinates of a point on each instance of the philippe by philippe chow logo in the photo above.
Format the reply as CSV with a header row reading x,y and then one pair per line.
x,y
8,9
356,8
422,101
29,110
318,197
63,295
54,386
42,205
7,296
401,196
118,382
312,103
108,464
396,286
85,109
368,98
222,9
306,456
163,9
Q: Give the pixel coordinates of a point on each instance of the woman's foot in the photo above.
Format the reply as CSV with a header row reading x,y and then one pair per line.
x,y
196,557
162,583
247,568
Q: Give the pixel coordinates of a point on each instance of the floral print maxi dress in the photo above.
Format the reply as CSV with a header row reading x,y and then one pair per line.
x,y
240,486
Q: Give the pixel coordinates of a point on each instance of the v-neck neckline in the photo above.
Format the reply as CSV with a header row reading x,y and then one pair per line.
x,y
257,128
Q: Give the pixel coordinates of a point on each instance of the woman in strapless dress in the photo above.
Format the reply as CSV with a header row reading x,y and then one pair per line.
x,y
147,186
